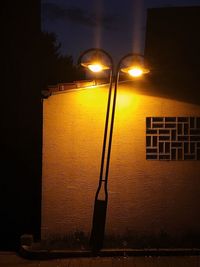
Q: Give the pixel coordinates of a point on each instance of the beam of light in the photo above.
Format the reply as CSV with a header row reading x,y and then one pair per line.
x,y
127,99
138,25
98,28
126,108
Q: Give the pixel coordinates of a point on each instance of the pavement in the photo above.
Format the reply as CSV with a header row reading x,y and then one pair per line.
x,y
12,259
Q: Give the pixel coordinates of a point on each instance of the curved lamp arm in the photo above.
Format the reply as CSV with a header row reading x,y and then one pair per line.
x,y
95,50
100,51
100,206
116,80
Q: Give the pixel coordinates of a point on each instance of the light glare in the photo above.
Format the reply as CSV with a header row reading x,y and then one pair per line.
x,y
95,67
135,72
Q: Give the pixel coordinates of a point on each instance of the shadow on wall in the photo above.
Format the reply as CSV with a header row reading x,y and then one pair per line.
x,y
184,87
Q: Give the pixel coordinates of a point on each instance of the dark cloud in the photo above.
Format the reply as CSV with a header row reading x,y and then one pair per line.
x,y
78,15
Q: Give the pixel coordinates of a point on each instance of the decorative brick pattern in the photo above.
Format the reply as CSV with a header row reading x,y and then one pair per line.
x,y
173,138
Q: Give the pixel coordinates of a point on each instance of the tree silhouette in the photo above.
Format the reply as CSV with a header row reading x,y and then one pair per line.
x,y
56,68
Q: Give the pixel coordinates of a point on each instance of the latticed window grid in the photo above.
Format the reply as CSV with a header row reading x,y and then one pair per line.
x,y
173,138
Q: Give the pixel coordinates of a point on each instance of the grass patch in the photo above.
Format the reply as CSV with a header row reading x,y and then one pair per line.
x,y
129,240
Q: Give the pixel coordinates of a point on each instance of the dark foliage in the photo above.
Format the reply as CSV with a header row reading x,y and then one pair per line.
x,y
56,68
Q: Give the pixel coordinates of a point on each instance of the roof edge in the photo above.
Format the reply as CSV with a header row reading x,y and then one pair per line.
x,y
64,87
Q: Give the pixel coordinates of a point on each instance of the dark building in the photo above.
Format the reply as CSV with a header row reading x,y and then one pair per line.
x,y
21,121
172,49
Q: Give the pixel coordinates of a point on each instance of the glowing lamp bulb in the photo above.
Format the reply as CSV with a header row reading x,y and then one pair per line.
x,y
135,72
95,67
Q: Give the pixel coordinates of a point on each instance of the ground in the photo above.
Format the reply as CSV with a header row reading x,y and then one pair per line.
x,y
11,259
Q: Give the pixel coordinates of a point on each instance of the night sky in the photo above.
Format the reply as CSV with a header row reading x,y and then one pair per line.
x,y
116,26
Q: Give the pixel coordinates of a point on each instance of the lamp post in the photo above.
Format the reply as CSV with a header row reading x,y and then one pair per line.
x,y
98,60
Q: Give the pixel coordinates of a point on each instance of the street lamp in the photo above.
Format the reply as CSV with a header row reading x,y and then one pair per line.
x,y
97,60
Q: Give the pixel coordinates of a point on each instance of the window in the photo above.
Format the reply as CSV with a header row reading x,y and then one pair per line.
x,y
173,138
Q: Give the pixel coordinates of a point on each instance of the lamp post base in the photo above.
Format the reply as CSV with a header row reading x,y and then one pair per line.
x,y
98,226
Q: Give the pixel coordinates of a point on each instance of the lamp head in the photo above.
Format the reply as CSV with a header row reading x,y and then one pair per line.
x,y
95,61
135,67
94,66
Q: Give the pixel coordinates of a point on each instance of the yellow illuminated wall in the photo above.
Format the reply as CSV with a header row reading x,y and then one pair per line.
x,y
144,196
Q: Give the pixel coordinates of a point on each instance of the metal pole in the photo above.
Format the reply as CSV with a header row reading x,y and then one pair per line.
x,y
101,198
100,205
100,208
